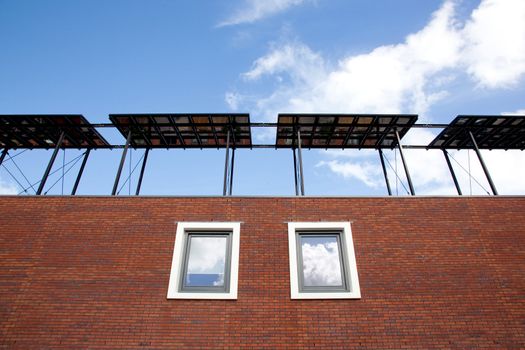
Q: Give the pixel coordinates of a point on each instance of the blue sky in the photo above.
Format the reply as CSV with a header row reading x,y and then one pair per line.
x,y
437,59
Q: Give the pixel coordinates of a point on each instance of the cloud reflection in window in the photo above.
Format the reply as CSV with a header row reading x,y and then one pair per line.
x,y
321,261
206,261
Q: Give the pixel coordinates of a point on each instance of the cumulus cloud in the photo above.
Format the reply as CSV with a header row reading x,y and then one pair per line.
x,y
506,168
254,10
495,43
207,255
366,172
206,260
382,81
295,59
408,77
387,80
321,264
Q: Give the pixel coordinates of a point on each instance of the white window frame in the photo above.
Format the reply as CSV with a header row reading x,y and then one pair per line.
x,y
183,228
351,276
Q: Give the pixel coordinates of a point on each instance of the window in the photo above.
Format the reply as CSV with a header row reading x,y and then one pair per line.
x,y
322,261
205,261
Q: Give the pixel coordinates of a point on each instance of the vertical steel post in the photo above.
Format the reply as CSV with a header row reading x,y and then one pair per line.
x,y
295,173
412,192
80,171
139,183
4,153
50,164
300,161
384,171
226,162
485,170
122,160
231,171
452,172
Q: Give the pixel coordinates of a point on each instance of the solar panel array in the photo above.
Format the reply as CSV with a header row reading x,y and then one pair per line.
x,y
185,130
43,131
490,132
374,131
342,130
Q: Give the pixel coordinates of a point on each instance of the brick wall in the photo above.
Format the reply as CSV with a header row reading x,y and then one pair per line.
x,y
93,272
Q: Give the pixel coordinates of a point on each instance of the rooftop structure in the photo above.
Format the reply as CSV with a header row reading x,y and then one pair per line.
x,y
234,131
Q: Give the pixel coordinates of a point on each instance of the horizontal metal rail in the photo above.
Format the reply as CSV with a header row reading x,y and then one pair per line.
x,y
249,146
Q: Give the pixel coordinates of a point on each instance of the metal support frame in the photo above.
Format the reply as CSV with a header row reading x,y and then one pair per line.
x,y
4,153
295,173
122,160
456,183
300,161
231,171
141,176
407,173
485,170
50,164
226,163
80,171
385,172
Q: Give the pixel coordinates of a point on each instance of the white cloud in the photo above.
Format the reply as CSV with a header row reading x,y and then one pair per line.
x,y
367,172
430,174
233,99
507,169
338,153
295,59
517,112
254,10
219,281
495,43
409,77
321,264
7,188
389,79
207,255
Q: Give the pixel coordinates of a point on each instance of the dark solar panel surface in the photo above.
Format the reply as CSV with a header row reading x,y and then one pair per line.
x,y
342,130
43,131
185,130
490,132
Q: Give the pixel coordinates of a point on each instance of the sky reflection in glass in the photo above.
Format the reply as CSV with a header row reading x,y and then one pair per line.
x,y
206,261
321,261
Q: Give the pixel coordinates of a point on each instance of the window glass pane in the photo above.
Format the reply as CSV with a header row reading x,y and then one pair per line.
x,y
206,261
321,261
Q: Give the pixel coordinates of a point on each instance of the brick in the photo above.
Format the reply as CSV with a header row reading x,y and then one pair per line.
x,y
444,272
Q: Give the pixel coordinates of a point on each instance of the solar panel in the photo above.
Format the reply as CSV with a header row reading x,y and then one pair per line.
x,y
490,132
184,130
43,131
342,130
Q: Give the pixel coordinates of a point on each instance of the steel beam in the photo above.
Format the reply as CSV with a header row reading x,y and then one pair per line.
x,y
4,153
485,170
295,173
122,160
300,161
456,183
384,171
50,164
141,176
407,173
80,171
231,171
226,162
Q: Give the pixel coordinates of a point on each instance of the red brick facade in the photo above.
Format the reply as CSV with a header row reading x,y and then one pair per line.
x,y
93,272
